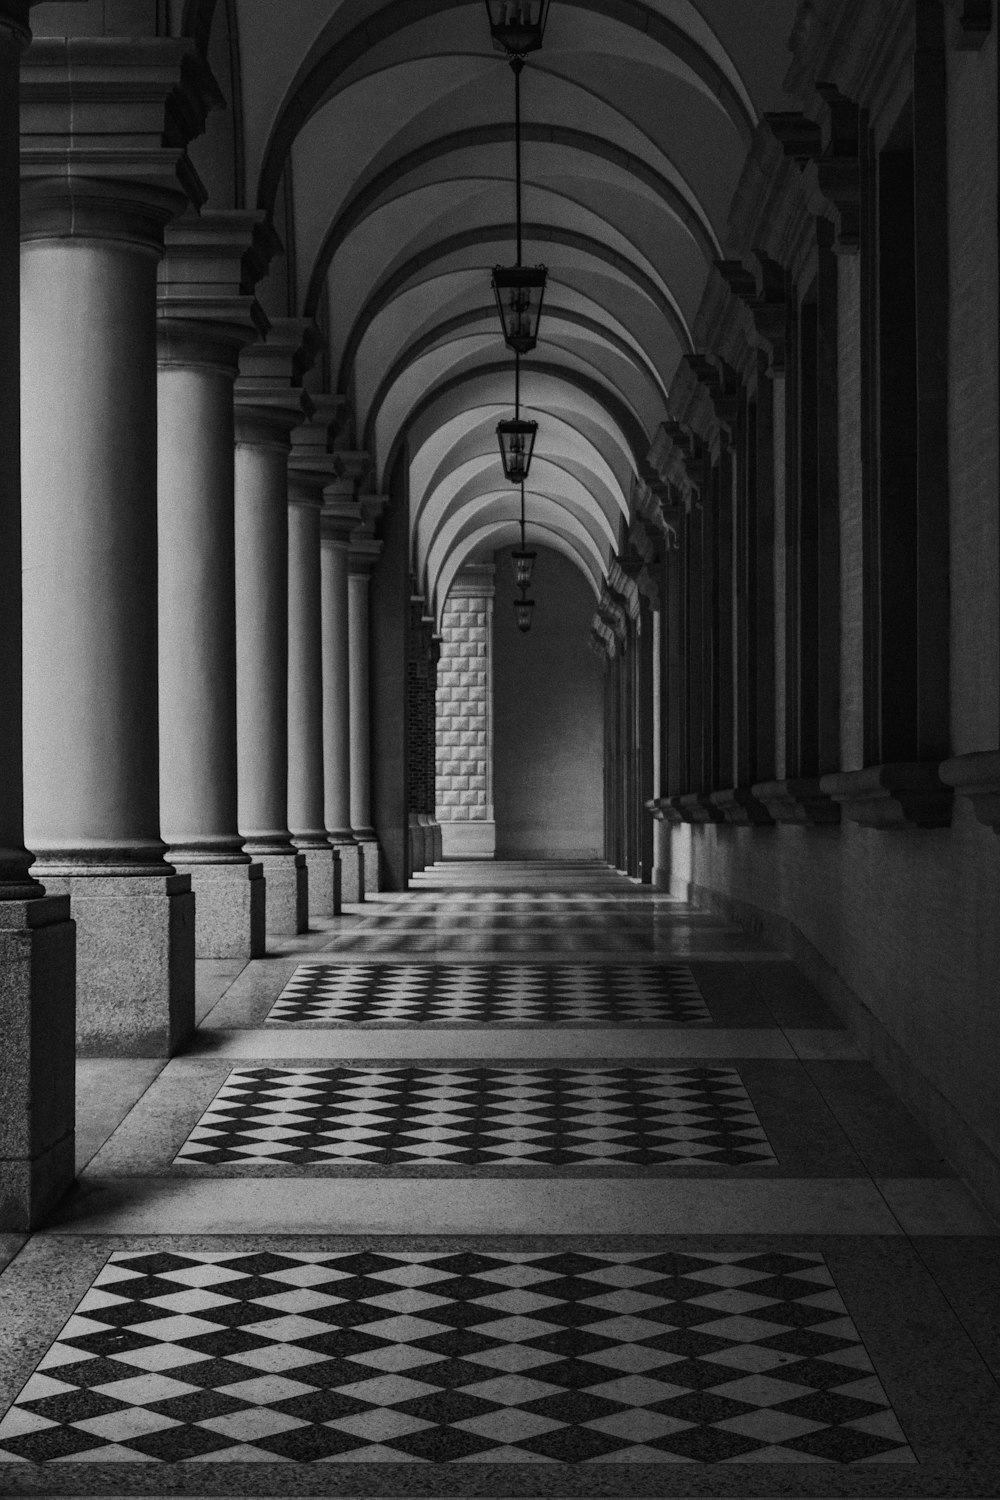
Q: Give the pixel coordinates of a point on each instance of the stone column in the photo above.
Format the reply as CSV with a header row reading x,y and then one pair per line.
x,y
37,996
340,515
268,405
311,466
204,319
92,234
363,553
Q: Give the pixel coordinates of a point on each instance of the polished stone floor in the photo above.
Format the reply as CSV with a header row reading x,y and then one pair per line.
x,y
528,1182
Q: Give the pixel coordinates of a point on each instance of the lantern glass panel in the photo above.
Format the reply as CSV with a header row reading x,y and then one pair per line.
x,y
517,26
520,291
524,563
522,613
517,442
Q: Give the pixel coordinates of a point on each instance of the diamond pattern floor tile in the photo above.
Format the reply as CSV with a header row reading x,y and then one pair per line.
x,y
452,1357
481,1117
500,994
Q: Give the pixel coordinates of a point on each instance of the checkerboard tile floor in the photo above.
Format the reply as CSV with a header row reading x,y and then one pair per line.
x,y
476,1117
499,994
468,1357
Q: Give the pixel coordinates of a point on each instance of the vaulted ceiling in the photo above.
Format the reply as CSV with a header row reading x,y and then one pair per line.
x,y
379,133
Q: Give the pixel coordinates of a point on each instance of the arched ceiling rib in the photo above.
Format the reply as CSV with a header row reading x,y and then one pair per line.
x,y
379,132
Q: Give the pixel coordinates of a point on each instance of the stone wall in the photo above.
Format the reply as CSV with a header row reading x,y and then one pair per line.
x,y
549,702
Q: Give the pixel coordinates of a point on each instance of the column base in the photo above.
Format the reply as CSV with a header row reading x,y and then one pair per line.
x,y
418,859
287,893
134,962
371,861
352,873
38,1025
230,909
321,864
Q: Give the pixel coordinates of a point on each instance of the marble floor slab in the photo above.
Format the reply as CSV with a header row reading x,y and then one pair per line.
x,y
526,1182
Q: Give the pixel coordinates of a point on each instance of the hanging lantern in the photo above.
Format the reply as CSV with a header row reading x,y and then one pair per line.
x,y
519,291
524,563
522,613
517,442
517,26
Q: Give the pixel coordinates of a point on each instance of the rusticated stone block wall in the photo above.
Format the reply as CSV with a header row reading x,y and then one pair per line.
x,y
464,708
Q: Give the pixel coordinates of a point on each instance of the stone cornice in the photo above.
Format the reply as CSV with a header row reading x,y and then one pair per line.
x,y
865,50
898,796
82,180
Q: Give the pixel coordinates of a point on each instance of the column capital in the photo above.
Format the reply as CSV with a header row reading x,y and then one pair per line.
x,y
79,180
270,400
339,517
206,310
312,463
363,553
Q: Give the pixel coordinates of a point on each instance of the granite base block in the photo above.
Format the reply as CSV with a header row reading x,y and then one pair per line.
x,y
370,863
475,839
287,893
134,962
352,883
321,868
37,1058
230,910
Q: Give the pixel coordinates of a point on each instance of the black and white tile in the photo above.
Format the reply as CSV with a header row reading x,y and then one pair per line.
x,y
496,994
540,1357
566,1117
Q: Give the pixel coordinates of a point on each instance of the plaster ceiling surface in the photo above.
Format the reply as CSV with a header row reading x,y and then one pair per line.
x,y
380,134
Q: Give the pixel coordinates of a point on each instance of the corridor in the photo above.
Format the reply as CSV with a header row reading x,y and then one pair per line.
x,y
528,1181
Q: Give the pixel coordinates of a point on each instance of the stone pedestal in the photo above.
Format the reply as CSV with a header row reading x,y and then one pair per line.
x,y
231,909
370,863
352,872
135,944
94,207
37,1084
287,893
